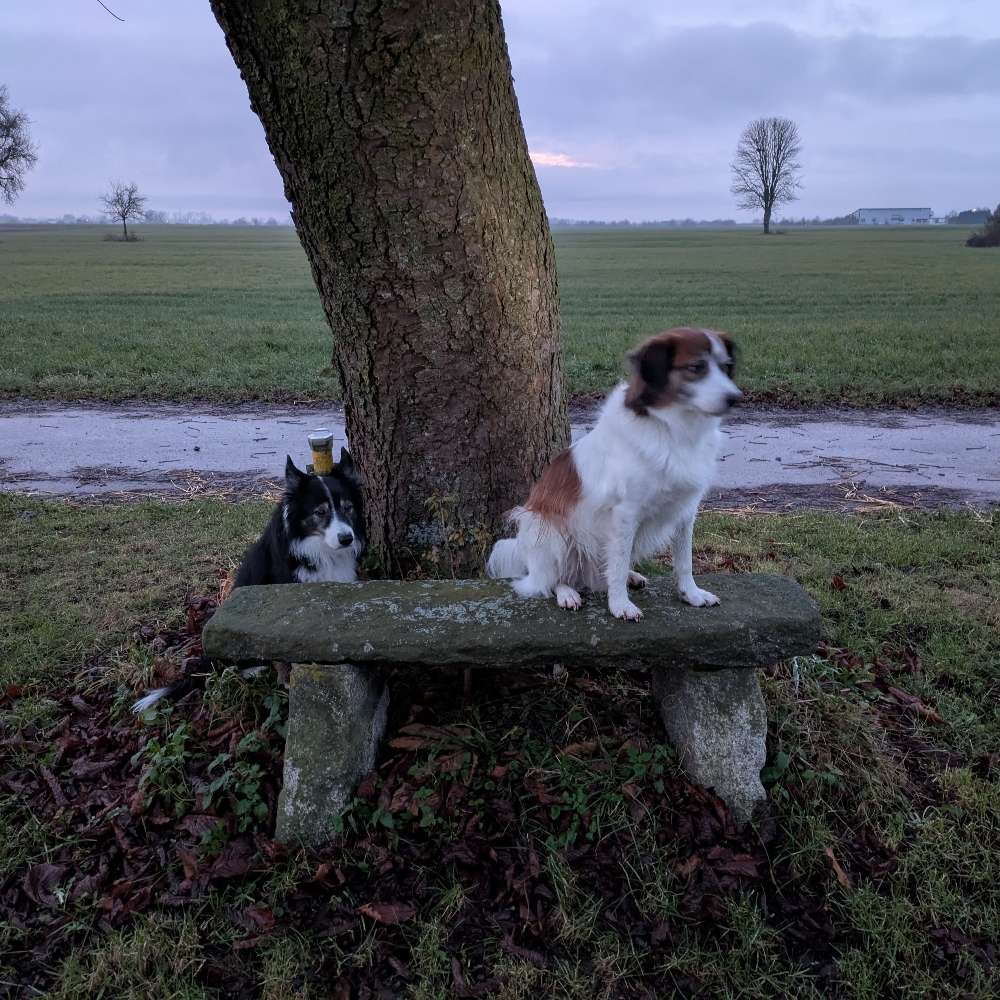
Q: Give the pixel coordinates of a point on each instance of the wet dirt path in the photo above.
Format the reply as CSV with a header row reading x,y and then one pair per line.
x,y
778,459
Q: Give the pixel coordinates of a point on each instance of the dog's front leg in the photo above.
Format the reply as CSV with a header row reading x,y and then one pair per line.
x,y
680,550
618,563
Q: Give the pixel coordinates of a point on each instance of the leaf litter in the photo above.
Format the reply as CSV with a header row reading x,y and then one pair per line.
x,y
477,806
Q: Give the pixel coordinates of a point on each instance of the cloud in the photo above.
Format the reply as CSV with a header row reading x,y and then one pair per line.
x,y
631,109
556,160
661,106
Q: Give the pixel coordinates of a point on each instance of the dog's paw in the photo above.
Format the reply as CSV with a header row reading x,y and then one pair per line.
x,y
568,598
526,587
625,609
636,580
698,598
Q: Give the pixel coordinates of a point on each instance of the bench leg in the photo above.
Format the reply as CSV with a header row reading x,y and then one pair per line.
x,y
336,717
718,722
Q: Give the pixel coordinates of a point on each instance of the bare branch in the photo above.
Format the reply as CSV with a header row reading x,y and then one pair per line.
x,y
124,203
111,12
18,154
765,168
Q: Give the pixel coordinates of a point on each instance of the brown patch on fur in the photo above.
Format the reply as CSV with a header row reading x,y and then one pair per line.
x,y
558,490
653,361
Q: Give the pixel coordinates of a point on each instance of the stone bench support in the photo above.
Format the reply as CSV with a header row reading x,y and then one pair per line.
x,y
718,723
339,636
336,718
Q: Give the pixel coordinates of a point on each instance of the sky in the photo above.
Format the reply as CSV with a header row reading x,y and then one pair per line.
x,y
632,109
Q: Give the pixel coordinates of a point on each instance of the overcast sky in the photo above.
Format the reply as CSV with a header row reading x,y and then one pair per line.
x,y
632,109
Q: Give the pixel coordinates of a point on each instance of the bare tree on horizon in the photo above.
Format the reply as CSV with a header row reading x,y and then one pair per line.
x,y
18,154
766,168
123,202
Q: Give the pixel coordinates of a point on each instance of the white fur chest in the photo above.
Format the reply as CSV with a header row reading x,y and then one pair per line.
x,y
324,564
647,462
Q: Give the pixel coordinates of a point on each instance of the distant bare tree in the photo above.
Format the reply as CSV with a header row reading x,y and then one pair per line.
x,y
17,152
766,168
123,202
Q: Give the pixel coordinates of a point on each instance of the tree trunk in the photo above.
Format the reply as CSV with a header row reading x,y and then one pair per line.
x,y
767,219
397,133
124,231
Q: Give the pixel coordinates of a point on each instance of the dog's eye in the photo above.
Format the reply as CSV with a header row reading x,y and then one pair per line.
x,y
729,368
346,507
322,510
697,367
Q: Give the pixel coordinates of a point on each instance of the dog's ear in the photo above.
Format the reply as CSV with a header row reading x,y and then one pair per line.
x,y
730,345
346,464
653,362
651,367
293,477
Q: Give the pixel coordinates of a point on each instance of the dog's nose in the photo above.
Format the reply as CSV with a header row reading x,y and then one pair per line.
x,y
345,538
733,398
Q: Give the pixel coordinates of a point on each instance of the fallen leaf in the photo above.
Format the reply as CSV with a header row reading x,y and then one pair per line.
x,y
842,877
686,868
451,762
198,824
660,933
260,917
579,749
412,743
250,942
54,787
838,582
388,913
535,785
915,703
40,881
235,860
519,951
188,860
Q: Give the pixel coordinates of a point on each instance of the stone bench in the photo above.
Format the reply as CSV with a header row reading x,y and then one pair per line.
x,y
338,635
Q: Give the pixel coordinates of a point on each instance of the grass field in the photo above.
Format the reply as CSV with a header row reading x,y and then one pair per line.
x,y
896,316
501,850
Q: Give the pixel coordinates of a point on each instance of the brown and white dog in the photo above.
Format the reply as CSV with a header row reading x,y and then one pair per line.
x,y
632,485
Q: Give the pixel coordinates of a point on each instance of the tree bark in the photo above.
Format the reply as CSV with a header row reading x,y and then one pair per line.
x,y
395,128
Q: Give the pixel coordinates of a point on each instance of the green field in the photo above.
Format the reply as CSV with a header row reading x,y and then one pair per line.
x,y
895,316
586,865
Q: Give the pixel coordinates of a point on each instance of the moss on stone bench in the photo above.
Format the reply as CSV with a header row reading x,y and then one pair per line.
x,y
338,635
762,619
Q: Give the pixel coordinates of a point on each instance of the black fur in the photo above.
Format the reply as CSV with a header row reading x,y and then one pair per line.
x,y
270,559
304,510
654,363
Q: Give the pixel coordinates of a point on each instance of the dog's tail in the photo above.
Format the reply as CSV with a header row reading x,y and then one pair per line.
x,y
171,692
505,560
193,681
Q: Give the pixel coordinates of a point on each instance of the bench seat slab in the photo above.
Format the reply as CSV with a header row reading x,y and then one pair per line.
x,y
762,619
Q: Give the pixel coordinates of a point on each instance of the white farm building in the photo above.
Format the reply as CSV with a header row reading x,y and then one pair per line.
x,y
894,216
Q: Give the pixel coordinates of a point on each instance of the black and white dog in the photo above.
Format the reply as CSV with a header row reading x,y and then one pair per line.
x,y
316,534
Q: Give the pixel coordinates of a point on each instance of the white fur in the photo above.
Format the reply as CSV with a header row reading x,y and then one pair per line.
x,y
157,694
149,700
642,478
335,563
